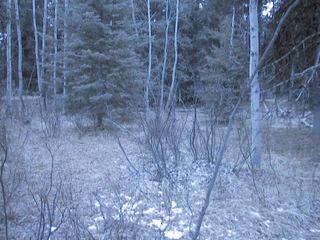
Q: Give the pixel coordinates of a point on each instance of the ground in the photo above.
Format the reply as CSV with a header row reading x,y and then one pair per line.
x,y
98,194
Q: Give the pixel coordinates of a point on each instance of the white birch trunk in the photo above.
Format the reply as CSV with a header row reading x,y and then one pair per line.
x,y
133,13
165,56
147,84
232,26
44,34
9,58
36,47
65,39
55,50
256,135
173,82
20,92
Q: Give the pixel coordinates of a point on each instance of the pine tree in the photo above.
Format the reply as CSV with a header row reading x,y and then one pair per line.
x,y
222,59
102,66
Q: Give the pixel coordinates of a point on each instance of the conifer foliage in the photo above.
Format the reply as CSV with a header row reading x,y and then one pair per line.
x,y
102,76
222,57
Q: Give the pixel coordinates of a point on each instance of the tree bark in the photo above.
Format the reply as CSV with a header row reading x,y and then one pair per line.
x,y
227,134
20,76
165,56
316,115
134,17
316,97
55,51
9,59
147,84
173,82
232,26
65,39
44,34
36,47
256,135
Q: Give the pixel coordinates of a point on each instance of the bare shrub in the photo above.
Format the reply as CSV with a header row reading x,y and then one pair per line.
x,y
162,140
81,124
49,201
10,178
50,121
4,158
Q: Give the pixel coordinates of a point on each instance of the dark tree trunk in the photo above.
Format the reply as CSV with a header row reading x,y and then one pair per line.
x,y
316,106
99,120
316,95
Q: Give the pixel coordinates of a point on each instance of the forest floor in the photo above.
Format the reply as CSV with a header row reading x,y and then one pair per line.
x,y
105,198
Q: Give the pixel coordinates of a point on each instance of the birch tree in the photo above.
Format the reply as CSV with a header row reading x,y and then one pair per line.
x,y
227,134
44,33
173,82
133,14
147,84
232,26
165,56
9,58
55,50
36,47
65,37
256,135
20,92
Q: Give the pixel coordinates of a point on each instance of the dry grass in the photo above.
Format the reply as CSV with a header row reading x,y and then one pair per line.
x,y
284,204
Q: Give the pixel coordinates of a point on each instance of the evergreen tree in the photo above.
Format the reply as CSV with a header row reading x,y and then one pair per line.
x,y
222,65
103,70
296,56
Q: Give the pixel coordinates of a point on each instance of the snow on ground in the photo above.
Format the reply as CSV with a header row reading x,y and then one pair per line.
x,y
173,234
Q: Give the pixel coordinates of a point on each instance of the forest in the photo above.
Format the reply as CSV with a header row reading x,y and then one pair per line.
x,y
159,119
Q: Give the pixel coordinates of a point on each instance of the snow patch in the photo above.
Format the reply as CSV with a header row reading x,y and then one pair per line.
x,y
267,223
230,233
156,223
174,234
177,210
97,204
100,218
280,209
150,211
268,8
255,214
125,206
92,228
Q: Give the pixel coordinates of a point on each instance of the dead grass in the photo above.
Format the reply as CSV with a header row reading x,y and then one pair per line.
x,y
283,205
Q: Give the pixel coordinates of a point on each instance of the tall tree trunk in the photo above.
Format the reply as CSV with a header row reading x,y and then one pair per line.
x,y
20,92
256,135
232,26
44,34
36,47
227,134
291,82
316,97
65,39
163,74
316,110
9,59
55,51
147,84
173,82
133,13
